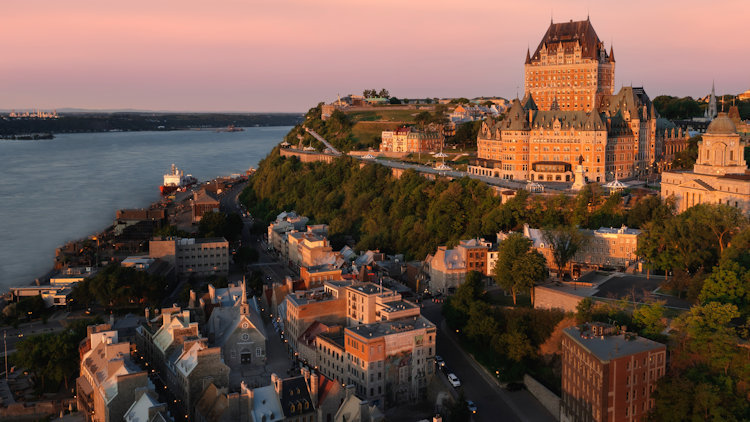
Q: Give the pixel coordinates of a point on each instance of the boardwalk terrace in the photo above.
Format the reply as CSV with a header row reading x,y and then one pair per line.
x,y
608,375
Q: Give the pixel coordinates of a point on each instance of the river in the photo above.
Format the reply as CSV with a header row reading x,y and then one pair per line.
x,y
53,191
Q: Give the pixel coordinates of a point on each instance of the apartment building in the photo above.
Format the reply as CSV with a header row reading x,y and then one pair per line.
x,y
325,304
608,374
390,361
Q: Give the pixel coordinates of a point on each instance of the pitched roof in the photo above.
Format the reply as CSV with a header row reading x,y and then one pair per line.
x,y
567,35
295,397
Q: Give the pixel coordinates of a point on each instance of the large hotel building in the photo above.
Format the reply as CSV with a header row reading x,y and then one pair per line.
x,y
570,112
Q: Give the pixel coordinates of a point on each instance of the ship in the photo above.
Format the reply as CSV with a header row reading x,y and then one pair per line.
x,y
230,128
176,180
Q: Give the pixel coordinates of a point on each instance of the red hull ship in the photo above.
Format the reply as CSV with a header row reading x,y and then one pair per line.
x,y
176,180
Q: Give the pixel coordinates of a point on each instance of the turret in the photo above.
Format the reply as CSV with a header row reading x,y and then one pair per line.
x,y
528,56
611,54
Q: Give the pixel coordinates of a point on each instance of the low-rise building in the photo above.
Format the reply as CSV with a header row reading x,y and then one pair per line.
x,y
608,374
605,247
107,386
203,257
448,267
203,201
409,139
147,408
172,344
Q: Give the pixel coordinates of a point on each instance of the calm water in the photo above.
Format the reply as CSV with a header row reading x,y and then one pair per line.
x,y
53,191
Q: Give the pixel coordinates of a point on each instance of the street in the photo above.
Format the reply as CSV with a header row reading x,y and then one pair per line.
x,y
493,403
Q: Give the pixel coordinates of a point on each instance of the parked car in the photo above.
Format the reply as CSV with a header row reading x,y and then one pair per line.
x,y
453,379
439,361
472,406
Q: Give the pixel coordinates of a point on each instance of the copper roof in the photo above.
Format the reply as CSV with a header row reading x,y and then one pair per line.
x,y
567,35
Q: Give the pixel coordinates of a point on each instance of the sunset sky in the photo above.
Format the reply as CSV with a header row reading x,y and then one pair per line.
x,y
281,55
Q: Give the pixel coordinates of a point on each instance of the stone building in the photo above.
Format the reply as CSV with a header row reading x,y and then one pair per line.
x,y
107,386
146,408
608,374
303,308
172,344
235,326
605,247
720,174
448,267
409,139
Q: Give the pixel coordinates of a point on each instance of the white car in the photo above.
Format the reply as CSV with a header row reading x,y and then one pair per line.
x,y
455,382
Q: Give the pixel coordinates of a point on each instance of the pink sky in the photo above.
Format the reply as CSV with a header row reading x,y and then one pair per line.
x,y
286,55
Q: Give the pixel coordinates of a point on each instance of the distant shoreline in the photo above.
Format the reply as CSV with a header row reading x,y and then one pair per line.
x,y
140,122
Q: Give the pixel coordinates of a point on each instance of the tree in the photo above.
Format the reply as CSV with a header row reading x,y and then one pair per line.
x,y
650,317
584,310
565,242
723,220
423,118
519,267
384,93
394,100
728,283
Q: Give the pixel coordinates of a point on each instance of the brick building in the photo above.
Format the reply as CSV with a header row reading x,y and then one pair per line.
x,y
448,267
608,375
203,201
570,67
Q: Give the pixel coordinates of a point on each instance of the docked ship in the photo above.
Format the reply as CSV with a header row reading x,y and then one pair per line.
x,y
231,128
176,180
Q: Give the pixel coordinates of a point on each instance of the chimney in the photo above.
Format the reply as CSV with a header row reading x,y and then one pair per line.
x,y
289,284
306,373
276,381
147,314
248,395
314,388
364,409
111,319
349,391
191,304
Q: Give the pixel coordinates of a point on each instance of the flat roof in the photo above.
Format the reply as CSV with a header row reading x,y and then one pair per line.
x,y
369,288
310,296
609,347
398,305
384,328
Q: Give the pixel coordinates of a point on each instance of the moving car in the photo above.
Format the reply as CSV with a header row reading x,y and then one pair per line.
x,y
472,406
439,361
453,379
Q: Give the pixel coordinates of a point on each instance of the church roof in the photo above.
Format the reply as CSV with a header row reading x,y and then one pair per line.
x,y
721,125
567,35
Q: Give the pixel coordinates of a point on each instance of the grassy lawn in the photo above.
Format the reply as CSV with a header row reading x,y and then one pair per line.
x,y
369,132
379,115
498,298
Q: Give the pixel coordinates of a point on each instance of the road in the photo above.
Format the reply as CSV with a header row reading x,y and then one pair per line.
x,y
493,403
273,270
493,181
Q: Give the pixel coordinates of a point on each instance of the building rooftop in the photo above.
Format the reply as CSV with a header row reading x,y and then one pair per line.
x,y
621,230
310,296
608,347
397,305
384,328
370,289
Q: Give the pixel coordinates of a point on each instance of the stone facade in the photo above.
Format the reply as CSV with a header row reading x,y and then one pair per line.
x,y
408,139
202,257
720,174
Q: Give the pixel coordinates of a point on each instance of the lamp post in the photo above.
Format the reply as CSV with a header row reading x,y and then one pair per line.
x,y
5,344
